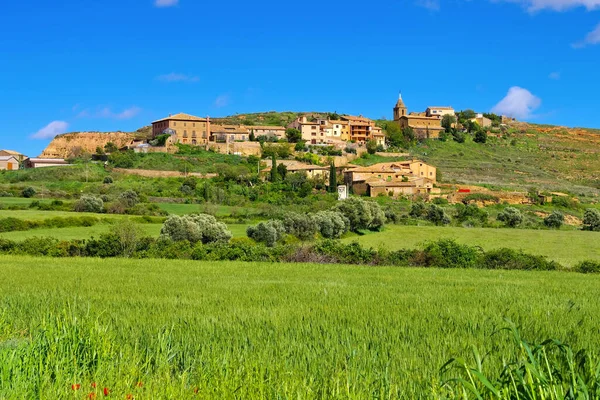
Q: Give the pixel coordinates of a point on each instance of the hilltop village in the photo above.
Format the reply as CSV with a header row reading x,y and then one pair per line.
x,y
323,139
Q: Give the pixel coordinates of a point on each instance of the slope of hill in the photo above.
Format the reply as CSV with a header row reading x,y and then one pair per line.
x,y
73,144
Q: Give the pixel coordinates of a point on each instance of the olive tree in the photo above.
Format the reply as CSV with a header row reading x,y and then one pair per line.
x,y
591,220
269,232
87,203
195,228
511,217
331,224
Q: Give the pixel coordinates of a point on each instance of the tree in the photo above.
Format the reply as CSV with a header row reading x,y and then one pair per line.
x,y
459,137
510,216
129,198
269,232
303,226
332,178
480,136
128,234
447,122
554,220
282,171
372,147
591,220
437,215
110,147
471,126
361,214
252,137
300,146
87,203
465,115
107,180
331,224
99,151
417,210
409,134
394,135
274,172
293,135
195,228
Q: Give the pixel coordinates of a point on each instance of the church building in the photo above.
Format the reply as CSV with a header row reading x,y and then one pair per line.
x,y
424,127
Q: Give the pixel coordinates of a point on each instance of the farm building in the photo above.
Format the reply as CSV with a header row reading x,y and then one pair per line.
x,y
9,163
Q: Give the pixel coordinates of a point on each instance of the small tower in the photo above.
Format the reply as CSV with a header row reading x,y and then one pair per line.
x,y
400,109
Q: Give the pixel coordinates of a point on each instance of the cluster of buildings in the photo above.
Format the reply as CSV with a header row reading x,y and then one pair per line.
x,y
13,160
189,129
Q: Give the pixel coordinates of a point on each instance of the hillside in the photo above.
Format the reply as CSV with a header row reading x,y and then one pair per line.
x,y
268,118
73,144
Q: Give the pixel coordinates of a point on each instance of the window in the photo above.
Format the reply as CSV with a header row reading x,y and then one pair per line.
x,y
174,123
185,124
194,125
431,173
313,127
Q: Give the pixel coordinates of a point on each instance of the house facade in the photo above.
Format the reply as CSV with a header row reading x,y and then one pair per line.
x,y
183,128
9,163
425,127
482,121
228,133
439,111
268,131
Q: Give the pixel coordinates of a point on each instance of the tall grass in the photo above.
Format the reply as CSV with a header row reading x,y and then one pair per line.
x,y
252,330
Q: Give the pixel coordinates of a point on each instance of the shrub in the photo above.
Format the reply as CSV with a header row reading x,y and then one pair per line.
x,y
89,203
129,198
128,234
437,215
195,228
588,267
470,212
108,245
480,136
417,210
511,217
562,201
446,253
28,192
482,197
269,232
554,220
591,220
107,180
361,214
459,137
303,226
512,259
331,224
371,147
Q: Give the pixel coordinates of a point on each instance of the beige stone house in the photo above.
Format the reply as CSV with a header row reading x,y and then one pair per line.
x,y
266,130
482,121
425,127
228,133
439,112
183,128
9,163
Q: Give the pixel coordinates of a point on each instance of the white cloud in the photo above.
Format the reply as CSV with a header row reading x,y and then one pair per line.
x,y
165,3
107,112
518,103
222,100
433,5
556,5
176,77
591,38
554,76
51,130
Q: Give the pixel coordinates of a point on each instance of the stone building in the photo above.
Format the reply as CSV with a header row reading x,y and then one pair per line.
x,y
424,127
183,128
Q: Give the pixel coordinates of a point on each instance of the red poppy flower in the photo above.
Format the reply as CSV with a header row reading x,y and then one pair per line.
x,y
106,391
140,384
75,386
94,385
129,396
91,396
196,390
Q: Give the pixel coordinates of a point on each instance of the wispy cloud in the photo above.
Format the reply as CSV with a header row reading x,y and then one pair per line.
x,y
590,39
222,100
108,113
432,5
554,76
555,5
518,103
165,3
51,130
176,77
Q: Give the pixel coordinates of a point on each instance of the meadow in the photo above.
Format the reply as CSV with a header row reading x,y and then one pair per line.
x,y
182,329
565,247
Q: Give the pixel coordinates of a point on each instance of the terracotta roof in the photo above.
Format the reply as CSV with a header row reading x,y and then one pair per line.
x,y
181,117
431,128
11,152
353,118
47,160
231,129
338,121
265,127
7,158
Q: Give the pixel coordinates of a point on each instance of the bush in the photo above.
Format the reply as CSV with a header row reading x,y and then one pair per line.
x,y
195,228
470,212
417,210
129,198
446,253
512,259
588,267
107,180
437,215
459,137
361,214
28,192
511,217
591,220
480,136
269,232
89,203
562,201
554,220
303,226
331,224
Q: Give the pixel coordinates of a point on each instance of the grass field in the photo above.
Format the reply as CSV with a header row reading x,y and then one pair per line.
x,y
566,247
247,330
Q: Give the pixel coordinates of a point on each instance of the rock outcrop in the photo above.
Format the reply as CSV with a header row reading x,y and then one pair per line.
x,y
73,144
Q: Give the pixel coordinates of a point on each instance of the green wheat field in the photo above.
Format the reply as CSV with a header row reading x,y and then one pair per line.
x,y
157,329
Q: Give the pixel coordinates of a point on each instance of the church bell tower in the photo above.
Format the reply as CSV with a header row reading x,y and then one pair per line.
x,y
400,109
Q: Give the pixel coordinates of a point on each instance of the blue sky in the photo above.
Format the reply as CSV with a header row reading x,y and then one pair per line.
x,y
105,65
